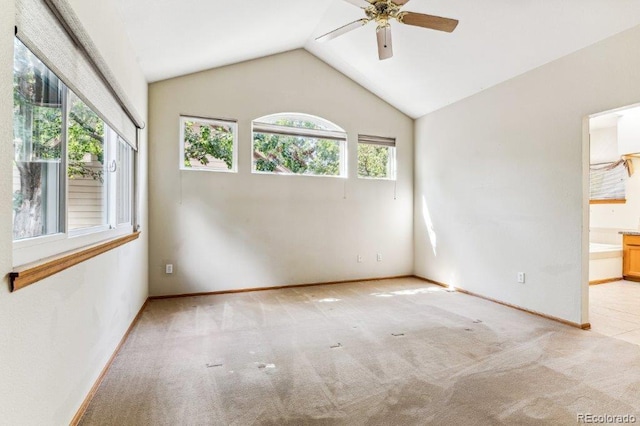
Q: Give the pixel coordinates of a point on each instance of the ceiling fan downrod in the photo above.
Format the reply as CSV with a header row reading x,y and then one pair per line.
x,y
382,11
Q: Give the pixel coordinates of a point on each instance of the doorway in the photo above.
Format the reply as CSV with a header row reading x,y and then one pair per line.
x,y
614,223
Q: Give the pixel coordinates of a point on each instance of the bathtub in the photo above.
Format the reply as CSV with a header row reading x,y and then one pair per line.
x,y
605,262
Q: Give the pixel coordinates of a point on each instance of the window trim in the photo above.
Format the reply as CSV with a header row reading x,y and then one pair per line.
x,y
35,249
225,121
30,274
131,181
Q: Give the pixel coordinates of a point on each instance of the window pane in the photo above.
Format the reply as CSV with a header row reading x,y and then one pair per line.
x,y
87,189
37,143
208,144
296,155
124,179
375,161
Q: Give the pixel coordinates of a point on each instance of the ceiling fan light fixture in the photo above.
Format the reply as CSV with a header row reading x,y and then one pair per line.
x,y
385,43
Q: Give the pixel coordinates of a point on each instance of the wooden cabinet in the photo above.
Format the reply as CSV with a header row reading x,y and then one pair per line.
x,y
631,257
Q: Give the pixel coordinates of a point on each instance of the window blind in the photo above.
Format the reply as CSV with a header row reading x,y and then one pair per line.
x,y
608,181
275,129
376,140
52,31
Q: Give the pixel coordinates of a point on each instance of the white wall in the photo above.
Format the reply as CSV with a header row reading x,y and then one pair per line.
x,y
603,145
501,174
229,231
57,335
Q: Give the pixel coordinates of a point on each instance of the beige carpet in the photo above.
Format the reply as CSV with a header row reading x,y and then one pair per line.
x,y
392,352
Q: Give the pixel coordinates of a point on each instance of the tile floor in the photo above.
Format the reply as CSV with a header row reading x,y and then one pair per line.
x,y
615,310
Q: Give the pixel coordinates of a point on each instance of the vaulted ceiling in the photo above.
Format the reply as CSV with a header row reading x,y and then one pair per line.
x,y
495,40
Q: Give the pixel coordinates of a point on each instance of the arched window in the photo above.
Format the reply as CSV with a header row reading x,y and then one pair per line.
x,y
298,144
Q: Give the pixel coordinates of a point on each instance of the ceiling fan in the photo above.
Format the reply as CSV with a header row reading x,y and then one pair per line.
x,y
381,11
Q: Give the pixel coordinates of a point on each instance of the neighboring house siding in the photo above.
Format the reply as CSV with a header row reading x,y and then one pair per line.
x,y
86,201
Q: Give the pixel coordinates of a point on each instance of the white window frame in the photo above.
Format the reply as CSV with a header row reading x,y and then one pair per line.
x,y
311,133
220,121
33,249
38,248
109,187
127,167
390,143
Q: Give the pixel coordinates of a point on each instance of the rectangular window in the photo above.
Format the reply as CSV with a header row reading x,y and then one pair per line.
x,y
298,144
208,144
376,157
63,182
607,181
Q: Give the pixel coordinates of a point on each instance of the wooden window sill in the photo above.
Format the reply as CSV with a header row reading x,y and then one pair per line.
x,y
28,274
618,201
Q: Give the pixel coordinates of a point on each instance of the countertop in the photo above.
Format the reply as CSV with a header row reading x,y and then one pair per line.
x,y
630,232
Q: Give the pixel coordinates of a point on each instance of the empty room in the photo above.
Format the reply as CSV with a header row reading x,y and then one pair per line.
x,y
350,212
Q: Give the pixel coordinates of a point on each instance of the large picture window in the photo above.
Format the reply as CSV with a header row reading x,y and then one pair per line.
x,y
298,144
72,173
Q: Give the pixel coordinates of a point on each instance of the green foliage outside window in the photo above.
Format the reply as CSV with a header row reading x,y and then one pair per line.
x,y
294,154
37,109
204,141
86,141
373,161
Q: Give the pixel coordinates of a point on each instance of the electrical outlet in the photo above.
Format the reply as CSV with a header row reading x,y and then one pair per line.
x,y
360,258
379,257
521,277
168,268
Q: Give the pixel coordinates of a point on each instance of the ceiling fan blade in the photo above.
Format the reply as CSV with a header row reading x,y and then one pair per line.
x,y
400,2
385,46
342,30
360,3
429,21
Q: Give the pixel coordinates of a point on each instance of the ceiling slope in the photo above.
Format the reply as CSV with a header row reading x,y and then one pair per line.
x,y
496,40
